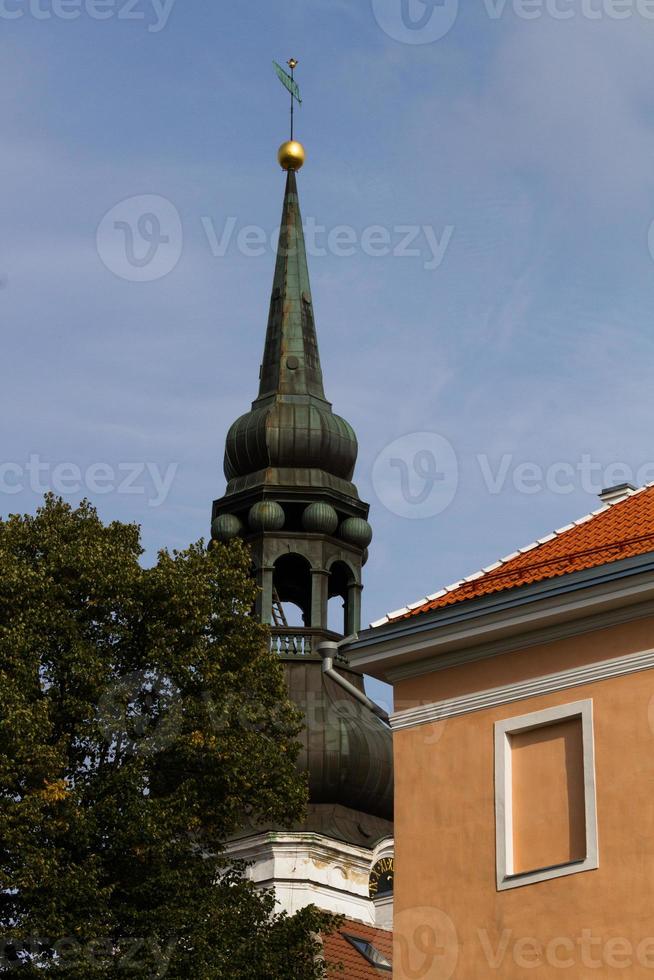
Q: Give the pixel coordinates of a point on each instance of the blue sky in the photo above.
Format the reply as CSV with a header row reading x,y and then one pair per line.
x,y
520,141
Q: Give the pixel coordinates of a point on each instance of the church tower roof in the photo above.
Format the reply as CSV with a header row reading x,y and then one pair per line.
x,y
291,426
289,463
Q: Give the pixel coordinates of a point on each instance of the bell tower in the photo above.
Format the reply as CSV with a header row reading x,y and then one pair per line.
x,y
289,464
290,460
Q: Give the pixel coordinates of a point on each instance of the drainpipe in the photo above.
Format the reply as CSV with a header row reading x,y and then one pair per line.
x,y
328,650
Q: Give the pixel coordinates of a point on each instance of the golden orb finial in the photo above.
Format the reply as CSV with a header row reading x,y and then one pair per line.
x,y
291,155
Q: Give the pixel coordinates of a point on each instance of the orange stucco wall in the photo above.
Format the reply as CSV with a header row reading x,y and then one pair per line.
x,y
450,920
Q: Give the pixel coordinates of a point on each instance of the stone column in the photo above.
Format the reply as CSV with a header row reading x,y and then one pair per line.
x,y
265,598
353,608
319,598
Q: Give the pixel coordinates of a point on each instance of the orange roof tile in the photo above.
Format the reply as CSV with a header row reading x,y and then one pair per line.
x,y
355,967
617,530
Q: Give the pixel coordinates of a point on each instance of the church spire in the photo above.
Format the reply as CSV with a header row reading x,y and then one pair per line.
x,y
291,428
291,362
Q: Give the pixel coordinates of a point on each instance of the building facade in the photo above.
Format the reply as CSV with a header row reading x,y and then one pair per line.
x,y
524,758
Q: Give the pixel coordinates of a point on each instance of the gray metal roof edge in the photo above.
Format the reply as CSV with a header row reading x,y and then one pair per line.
x,y
507,599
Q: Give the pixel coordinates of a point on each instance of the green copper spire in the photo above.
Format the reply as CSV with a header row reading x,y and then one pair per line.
x,y
291,363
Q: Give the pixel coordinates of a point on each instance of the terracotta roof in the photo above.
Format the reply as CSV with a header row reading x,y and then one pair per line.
x,y
355,967
615,531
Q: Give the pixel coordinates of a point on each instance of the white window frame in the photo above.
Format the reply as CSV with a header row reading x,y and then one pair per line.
x,y
506,878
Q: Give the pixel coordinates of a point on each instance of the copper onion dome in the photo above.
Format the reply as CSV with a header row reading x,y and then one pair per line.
x,y
346,751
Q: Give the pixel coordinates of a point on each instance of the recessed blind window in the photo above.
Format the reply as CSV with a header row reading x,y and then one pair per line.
x,y
546,821
547,776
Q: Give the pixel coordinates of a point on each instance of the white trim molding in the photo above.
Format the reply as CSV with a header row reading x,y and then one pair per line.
x,y
506,877
534,687
385,848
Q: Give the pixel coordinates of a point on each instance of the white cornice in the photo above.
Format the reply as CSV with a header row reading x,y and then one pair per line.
x,y
535,687
287,842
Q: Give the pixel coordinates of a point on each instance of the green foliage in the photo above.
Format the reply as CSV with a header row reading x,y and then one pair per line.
x,y
142,717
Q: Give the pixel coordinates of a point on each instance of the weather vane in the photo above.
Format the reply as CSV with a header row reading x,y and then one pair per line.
x,y
288,81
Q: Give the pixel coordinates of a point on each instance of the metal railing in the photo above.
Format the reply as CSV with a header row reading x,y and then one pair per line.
x,y
297,642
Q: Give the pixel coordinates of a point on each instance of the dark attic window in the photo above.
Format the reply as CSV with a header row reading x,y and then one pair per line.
x,y
369,952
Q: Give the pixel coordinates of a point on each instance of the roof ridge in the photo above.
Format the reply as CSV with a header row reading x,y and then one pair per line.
x,y
497,566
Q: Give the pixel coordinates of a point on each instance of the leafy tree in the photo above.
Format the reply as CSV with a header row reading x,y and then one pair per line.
x,y
142,717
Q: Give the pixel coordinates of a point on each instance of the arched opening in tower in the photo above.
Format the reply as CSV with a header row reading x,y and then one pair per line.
x,y
292,588
341,582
